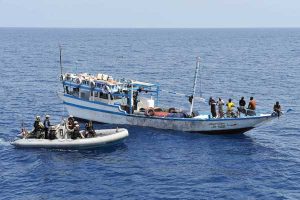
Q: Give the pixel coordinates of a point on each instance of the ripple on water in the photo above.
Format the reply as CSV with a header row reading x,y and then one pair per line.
x,y
154,164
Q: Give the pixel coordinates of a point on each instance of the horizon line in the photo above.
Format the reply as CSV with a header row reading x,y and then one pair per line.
x,y
250,27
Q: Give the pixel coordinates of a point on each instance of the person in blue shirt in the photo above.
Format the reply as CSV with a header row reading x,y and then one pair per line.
x,y
47,125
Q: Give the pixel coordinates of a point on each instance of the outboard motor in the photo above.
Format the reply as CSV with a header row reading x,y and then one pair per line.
x,y
52,133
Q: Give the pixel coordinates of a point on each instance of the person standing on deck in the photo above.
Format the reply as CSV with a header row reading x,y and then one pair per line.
x,y
277,109
230,105
212,104
220,104
251,107
241,108
47,125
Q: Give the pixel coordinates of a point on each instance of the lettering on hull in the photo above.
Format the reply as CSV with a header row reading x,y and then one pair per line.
x,y
217,125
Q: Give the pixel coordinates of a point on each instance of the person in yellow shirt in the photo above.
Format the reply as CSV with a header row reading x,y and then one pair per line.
x,y
230,106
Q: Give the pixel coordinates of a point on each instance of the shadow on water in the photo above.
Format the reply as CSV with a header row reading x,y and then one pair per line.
x,y
196,135
98,150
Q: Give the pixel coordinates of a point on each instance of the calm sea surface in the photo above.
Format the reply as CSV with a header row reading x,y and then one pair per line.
x,y
263,163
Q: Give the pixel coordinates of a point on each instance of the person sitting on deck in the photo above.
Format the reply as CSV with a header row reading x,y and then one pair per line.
x,y
277,109
71,124
172,110
241,108
230,105
89,130
251,107
38,128
149,112
76,131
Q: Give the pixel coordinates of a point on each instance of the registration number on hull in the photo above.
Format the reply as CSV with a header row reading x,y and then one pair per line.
x,y
217,125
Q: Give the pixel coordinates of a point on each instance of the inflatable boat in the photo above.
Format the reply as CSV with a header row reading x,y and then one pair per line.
x,y
102,138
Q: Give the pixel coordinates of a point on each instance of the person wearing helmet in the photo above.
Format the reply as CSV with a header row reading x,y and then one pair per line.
x,y
76,131
38,128
71,123
47,125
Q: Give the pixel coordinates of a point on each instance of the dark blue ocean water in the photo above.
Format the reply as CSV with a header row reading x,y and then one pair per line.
x,y
263,163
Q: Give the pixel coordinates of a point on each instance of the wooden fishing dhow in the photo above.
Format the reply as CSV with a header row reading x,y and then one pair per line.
x,y
104,99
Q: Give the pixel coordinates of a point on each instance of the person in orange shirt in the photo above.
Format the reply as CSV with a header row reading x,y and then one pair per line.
x,y
251,107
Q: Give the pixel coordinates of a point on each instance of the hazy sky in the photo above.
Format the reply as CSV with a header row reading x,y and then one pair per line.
x,y
151,13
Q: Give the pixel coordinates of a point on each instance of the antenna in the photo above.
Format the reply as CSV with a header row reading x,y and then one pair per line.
x,y
60,60
195,81
22,125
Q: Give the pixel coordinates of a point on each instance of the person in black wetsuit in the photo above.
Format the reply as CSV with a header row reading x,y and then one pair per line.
x,y
76,131
212,104
70,123
89,130
38,128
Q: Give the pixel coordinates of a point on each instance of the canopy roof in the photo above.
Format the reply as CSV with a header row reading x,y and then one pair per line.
x,y
103,78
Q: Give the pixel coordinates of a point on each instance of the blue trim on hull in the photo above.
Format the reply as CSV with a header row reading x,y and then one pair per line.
x,y
94,109
228,131
94,102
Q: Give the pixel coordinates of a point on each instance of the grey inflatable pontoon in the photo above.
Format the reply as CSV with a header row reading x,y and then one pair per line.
x,y
103,137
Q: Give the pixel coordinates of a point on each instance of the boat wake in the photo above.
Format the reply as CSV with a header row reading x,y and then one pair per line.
x,y
3,142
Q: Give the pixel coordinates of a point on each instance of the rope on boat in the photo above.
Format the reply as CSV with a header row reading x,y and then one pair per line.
x,y
201,99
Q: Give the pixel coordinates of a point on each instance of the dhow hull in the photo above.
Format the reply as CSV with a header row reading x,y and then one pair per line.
x,y
112,114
